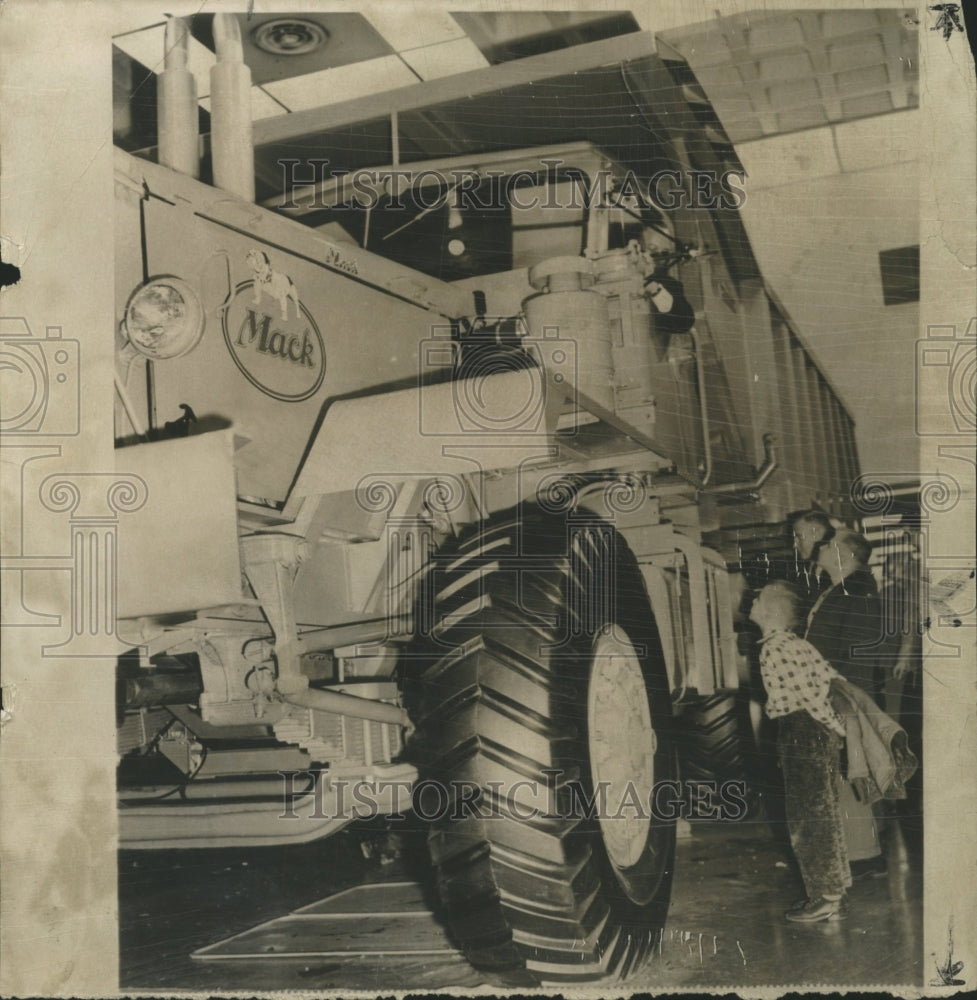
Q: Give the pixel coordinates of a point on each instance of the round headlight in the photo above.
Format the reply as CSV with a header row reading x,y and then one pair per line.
x,y
164,318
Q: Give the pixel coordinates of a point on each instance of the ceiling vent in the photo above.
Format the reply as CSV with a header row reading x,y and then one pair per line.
x,y
290,36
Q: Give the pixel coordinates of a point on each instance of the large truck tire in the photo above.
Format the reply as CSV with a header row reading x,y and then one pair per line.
x,y
714,732
715,747
542,664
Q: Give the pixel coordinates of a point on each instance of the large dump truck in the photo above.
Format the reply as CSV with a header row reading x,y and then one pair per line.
x,y
443,509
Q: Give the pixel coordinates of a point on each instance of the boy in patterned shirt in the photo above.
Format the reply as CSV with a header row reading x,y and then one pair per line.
x,y
809,740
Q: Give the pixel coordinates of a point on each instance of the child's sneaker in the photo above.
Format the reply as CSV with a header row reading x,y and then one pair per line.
x,y
815,910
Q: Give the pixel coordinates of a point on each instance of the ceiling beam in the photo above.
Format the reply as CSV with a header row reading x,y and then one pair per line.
x,y
285,128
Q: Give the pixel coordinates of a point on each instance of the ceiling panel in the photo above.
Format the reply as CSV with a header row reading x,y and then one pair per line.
x,y
354,80
770,72
506,35
444,59
410,26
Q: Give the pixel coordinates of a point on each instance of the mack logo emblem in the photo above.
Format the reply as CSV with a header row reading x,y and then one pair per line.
x,y
283,357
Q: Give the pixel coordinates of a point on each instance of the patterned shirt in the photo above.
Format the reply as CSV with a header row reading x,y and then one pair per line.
x,y
797,678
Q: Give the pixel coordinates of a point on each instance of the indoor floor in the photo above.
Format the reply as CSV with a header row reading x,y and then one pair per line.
x,y
725,926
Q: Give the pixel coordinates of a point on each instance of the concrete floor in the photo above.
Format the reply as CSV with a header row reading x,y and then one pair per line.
x,y
732,886
725,926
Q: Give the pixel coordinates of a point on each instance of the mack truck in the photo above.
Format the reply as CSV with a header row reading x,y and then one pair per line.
x,y
434,495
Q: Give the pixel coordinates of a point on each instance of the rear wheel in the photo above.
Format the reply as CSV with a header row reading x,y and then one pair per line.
x,y
545,716
714,749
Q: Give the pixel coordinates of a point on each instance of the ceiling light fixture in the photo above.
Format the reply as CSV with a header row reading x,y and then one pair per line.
x,y
290,36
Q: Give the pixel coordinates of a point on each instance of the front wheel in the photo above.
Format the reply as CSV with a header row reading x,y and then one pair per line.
x,y
544,720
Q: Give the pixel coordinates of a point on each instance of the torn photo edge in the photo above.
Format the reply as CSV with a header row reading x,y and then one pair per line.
x,y
58,906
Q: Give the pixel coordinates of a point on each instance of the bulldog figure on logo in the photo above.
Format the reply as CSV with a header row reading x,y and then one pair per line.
x,y
271,282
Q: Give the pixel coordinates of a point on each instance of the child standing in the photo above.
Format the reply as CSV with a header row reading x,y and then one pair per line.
x,y
809,739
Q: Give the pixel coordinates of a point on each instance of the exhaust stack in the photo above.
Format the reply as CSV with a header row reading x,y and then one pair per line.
x,y
231,141
176,103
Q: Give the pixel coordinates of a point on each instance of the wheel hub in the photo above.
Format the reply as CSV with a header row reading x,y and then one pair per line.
x,y
622,746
